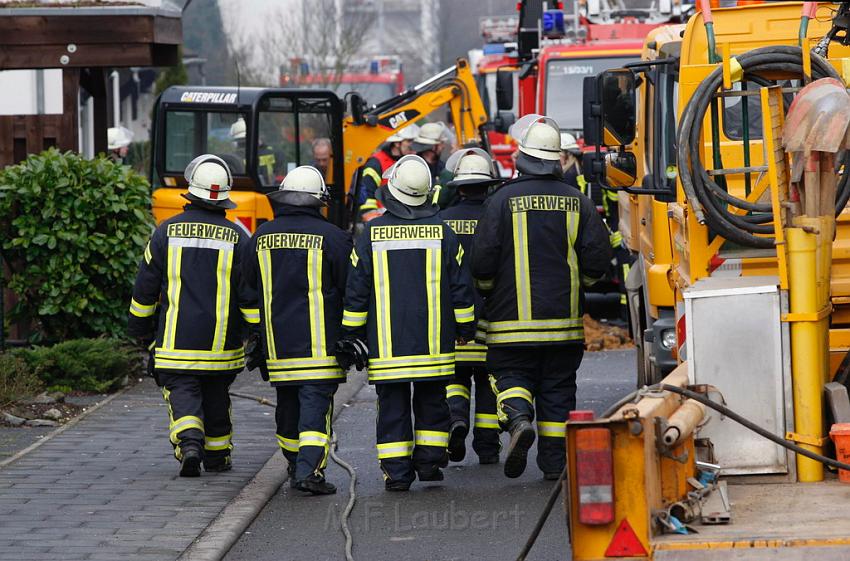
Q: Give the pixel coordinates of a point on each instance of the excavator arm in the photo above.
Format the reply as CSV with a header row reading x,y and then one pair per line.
x,y
455,87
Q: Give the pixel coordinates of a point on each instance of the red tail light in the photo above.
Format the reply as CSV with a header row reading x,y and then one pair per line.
x,y
595,476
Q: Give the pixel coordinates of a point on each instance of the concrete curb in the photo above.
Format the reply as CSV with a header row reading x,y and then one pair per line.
x,y
225,530
49,436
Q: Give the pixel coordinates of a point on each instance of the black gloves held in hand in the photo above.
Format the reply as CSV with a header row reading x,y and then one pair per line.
x,y
351,352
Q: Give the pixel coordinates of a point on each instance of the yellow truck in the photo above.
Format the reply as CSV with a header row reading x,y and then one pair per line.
x,y
742,239
673,64
263,133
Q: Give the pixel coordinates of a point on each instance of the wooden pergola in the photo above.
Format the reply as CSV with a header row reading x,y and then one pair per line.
x,y
86,39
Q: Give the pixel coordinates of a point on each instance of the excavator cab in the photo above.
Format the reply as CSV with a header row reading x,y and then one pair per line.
x,y
262,134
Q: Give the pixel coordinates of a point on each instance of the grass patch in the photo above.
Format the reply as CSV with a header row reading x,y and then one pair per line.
x,y
17,380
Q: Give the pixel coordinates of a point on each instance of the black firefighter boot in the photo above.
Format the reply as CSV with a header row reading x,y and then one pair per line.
x,y
218,465
522,437
290,471
457,441
190,462
315,485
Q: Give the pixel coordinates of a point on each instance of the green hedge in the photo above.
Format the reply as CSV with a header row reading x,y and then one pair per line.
x,y
73,232
97,365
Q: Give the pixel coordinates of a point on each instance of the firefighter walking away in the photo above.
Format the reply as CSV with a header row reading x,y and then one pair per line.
x,y
192,264
295,275
409,298
538,242
474,173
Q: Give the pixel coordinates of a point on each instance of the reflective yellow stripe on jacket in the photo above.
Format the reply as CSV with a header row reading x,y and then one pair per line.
x,y
175,256
222,297
415,366
179,359
506,332
302,369
265,260
141,310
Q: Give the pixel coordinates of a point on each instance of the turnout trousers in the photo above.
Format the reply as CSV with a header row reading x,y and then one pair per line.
x,y
406,445
485,427
538,379
303,415
199,414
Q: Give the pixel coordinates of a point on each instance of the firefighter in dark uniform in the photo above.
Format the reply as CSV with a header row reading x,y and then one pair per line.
x,y
410,298
295,273
474,174
537,243
372,176
192,266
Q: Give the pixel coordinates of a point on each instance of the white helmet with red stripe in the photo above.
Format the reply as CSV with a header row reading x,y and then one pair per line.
x,y
210,179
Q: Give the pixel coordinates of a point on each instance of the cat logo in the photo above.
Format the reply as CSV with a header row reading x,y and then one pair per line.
x,y
208,97
398,120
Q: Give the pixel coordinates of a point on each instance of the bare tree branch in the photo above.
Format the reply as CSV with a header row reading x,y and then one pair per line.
x,y
315,34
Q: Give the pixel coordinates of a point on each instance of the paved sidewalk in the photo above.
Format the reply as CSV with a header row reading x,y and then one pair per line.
x,y
107,488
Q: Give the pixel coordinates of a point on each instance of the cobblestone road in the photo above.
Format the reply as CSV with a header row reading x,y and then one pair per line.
x,y
108,489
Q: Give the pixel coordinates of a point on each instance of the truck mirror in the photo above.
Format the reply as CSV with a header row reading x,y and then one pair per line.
x,y
503,121
620,169
616,90
590,106
504,89
357,107
593,167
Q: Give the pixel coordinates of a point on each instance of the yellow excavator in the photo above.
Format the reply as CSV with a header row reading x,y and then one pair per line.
x,y
263,133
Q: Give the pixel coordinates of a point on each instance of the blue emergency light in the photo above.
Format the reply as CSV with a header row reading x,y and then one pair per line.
x,y
494,49
553,23
374,67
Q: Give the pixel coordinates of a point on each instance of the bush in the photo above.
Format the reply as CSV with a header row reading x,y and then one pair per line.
x,y
73,232
96,365
17,381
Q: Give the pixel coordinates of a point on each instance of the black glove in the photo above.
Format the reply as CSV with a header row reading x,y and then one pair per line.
x,y
254,356
351,352
151,365
466,331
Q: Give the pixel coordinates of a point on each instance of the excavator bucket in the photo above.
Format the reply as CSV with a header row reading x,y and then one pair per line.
x,y
818,117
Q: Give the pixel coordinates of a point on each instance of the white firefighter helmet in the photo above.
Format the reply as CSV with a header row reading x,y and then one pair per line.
x,y
238,129
410,132
538,136
303,186
209,179
431,134
569,143
409,180
471,166
118,137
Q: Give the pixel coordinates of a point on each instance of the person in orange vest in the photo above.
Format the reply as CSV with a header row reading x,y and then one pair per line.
x,y
371,179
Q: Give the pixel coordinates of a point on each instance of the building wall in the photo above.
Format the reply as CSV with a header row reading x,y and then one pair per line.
x,y
19,92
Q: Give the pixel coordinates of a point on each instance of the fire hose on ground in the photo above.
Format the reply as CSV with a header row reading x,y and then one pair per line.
x,y
700,398
352,495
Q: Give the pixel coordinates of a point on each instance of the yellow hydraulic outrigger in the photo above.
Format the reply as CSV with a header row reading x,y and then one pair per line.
x,y
637,488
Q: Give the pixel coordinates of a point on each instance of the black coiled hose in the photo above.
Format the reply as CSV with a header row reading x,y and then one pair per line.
x,y
709,200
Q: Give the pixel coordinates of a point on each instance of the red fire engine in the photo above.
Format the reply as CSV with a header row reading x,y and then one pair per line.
x,y
556,49
376,78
